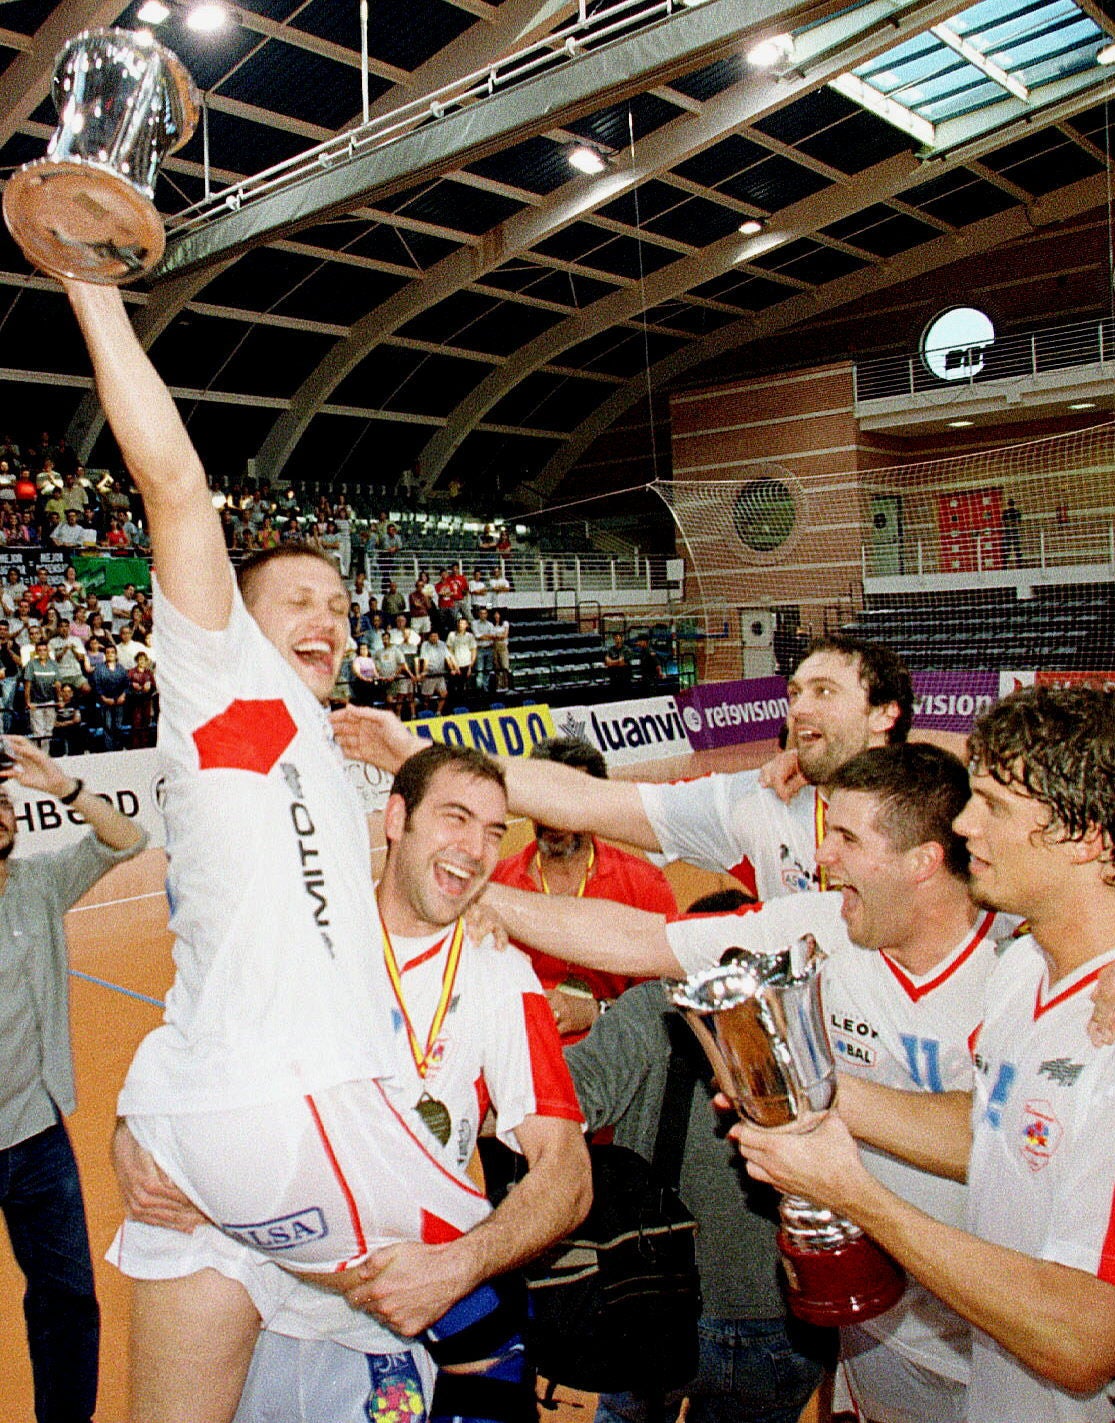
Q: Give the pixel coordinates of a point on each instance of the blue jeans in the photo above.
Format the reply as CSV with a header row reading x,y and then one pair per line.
x,y
748,1369
113,725
40,1196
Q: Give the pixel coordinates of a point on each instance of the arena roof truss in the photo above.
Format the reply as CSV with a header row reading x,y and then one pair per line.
x,y
438,288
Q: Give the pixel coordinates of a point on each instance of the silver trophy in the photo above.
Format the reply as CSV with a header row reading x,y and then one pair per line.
x,y
86,210
759,1020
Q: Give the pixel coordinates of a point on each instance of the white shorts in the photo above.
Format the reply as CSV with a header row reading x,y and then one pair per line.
x,y
887,1387
283,1301
313,1183
292,1381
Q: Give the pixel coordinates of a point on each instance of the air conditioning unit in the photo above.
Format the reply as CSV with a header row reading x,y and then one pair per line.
x,y
756,627
756,635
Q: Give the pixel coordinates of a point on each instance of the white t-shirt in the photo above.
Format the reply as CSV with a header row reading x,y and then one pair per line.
x,y
716,822
269,884
1042,1170
892,1027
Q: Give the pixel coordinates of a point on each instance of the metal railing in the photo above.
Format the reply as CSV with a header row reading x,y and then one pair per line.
x,y
1085,343
561,47
1079,542
542,574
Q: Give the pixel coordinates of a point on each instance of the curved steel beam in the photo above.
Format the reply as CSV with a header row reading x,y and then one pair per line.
x,y
978,237
798,220
516,23
669,281
837,43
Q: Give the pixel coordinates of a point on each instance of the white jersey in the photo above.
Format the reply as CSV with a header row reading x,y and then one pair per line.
x,y
1042,1172
498,1045
892,1027
717,822
269,884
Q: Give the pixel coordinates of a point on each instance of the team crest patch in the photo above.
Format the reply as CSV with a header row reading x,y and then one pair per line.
x,y
1041,1134
246,736
284,1232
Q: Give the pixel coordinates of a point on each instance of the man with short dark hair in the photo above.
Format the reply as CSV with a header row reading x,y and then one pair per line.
x,y
578,865
278,1043
901,1015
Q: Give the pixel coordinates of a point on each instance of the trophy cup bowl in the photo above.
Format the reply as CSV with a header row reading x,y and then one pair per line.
x,y
86,209
759,1020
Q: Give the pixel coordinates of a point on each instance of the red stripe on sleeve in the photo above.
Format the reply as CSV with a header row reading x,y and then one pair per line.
x,y
554,1093
1106,1269
483,1098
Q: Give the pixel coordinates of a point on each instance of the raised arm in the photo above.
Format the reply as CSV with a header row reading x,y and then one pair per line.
x,y
596,933
189,551
34,769
559,796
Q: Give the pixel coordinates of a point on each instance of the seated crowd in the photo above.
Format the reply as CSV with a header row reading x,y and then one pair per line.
x,y
77,672
444,644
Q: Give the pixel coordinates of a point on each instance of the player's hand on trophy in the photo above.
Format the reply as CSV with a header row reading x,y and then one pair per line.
x,y
1101,1025
814,1157
149,1194
378,737
782,775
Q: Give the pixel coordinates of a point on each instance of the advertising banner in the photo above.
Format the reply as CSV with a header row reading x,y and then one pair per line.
x,y
29,562
727,713
106,576
500,733
1102,681
951,701
626,732
129,779
1014,681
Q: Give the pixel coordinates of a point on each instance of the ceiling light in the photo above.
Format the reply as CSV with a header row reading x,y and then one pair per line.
x,y
960,424
153,12
769,52
1106,55
207,17
1083,405
750,226
586,160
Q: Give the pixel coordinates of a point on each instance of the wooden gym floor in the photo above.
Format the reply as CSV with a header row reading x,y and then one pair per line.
x,y
120,955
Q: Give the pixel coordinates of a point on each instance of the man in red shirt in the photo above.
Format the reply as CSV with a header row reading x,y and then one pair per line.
x,y
40,593
581,866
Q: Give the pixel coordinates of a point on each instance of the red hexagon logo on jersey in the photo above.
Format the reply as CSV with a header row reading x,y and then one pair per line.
x,y
1041,1134
246,736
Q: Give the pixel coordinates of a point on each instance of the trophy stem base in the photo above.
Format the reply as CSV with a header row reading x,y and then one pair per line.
x,y
840,1284
83,220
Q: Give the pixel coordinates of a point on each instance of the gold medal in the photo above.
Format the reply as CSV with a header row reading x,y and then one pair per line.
x,y
435,1116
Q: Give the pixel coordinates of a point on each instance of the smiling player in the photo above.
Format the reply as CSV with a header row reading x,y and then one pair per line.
x,y
845,696
279,1094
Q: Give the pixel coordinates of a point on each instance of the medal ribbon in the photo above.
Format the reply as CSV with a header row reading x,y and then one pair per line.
x,y
585,879
819,809
448,978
